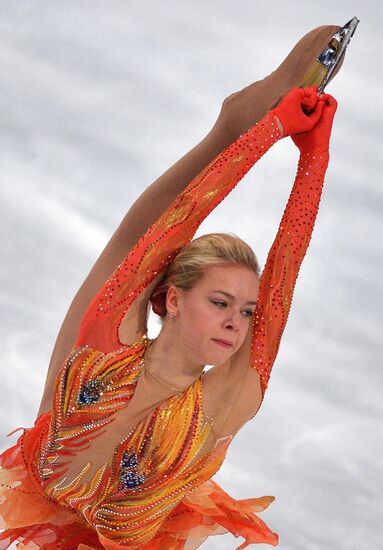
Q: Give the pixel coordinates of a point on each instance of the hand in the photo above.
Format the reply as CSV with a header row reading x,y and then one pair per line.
x,y
299,110
319,136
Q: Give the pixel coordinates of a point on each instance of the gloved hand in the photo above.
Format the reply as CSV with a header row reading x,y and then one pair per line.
x,y
299,110
319,136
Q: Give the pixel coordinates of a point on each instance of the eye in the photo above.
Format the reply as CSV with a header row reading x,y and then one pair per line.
x,y
248,313
219,303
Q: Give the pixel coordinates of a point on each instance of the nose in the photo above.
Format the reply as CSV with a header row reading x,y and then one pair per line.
x,y
233,321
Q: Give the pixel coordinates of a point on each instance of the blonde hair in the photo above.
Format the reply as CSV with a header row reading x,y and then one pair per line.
x,y
188,267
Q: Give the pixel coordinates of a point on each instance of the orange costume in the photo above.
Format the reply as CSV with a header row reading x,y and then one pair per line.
x,y
152,495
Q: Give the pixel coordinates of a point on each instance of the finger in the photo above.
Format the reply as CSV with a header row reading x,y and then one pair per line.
x,y
332,103
327,119
317,112
310,90
330,100
295,93
293,97
326,98
310,100
329,109
299,96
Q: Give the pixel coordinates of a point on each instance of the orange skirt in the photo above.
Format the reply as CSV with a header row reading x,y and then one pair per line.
x,y
28,516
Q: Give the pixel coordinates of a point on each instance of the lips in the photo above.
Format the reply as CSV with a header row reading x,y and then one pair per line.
x,y
223,343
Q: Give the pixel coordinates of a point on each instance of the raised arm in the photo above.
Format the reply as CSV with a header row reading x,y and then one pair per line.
x,y
100,326
237,115
239,112
176,227
173,230
290,245
247,372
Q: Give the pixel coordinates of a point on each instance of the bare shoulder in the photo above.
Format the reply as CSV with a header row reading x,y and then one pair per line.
x,y
228,409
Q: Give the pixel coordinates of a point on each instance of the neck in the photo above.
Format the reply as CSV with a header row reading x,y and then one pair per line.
x,y
168,357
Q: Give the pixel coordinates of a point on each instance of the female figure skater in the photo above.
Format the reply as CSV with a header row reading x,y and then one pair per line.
x,y
130,431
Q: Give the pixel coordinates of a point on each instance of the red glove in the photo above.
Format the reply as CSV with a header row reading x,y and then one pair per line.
x,y
319,136
299,110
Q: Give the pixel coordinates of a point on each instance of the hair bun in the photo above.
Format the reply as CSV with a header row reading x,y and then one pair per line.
x,y
158,301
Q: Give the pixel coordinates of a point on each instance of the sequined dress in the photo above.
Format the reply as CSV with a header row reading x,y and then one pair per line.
x,y
152,494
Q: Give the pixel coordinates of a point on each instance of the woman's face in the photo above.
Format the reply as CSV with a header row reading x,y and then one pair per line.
x,y
214,316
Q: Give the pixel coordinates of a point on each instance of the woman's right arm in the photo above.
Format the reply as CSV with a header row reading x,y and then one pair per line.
x,y
143,213
170,233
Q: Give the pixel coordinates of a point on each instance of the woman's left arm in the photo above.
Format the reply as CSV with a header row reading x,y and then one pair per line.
x,y
290,245
250,367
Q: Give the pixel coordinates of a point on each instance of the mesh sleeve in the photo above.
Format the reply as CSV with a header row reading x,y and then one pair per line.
x,y
172,231
284,260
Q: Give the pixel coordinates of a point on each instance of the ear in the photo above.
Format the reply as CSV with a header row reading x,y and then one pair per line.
x,y
173,299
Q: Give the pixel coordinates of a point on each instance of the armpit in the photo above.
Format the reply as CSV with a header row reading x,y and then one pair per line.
x,y
232,396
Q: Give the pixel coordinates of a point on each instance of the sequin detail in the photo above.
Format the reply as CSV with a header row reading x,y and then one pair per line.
x,y
129,476
286,254
90,392
170,233
155,458
155,468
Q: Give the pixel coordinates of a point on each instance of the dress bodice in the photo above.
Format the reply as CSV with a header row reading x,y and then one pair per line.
x,y
151,468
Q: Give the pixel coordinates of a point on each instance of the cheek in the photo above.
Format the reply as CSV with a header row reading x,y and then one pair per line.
x,y
245,328
190,318
195,310
198,324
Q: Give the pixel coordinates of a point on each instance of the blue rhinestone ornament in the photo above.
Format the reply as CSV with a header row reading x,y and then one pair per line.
x,y
90,392
129,476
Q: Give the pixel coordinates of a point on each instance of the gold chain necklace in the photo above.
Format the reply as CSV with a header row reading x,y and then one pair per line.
x,y
159,379
145,365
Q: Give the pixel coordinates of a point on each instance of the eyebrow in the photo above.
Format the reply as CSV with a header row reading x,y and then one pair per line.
x,y
233,297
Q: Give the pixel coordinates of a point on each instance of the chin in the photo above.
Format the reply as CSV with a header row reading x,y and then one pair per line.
x,y
219,356
213,354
